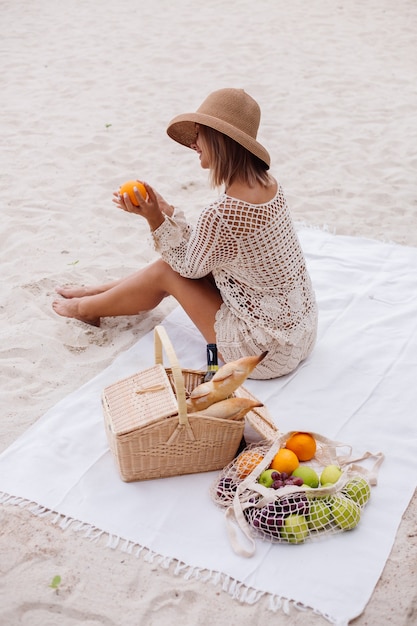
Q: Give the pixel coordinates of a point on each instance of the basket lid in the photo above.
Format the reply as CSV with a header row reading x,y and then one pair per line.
x,y
139,400
259,418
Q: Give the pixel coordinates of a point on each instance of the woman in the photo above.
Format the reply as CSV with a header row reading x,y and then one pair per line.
x,y
240,273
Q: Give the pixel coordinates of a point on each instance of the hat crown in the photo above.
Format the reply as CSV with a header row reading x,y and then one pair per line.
x,y
230,111
235,107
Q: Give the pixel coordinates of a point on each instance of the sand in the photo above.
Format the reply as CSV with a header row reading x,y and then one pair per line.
x,y
87,91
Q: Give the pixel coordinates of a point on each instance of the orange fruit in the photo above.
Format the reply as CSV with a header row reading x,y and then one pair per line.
x,y
128,188
284,461
247,461
303,445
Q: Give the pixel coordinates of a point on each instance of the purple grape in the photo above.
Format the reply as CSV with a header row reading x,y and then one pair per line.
x,y
275,475
266,520
277,484
297,481
226,489
294,503
284,476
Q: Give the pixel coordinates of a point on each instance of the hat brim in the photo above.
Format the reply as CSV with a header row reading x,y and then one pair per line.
x,y
182,129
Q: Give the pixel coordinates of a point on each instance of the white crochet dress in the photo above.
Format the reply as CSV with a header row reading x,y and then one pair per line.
x,y
254,255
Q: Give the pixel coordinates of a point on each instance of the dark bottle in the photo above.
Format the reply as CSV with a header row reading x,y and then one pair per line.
x,y
212,362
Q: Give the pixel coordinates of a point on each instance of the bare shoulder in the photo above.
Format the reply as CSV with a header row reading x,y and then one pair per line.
x,y
259,194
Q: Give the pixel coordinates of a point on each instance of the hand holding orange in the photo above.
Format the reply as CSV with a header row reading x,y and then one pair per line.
x,y
128,187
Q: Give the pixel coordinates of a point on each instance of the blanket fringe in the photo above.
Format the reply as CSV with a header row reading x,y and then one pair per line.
x,y
234,588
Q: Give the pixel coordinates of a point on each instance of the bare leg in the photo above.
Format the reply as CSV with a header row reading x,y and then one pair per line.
x,y
143,291
79,292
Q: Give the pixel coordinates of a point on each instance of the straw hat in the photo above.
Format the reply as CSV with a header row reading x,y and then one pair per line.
x,y
232,112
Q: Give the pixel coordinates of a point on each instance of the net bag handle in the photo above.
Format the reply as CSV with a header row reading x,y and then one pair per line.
x,y
161,340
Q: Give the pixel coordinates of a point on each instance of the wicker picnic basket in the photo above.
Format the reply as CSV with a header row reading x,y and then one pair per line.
x,y
149,431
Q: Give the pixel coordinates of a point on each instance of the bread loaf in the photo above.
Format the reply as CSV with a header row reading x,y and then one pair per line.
x,y
231,408
224,383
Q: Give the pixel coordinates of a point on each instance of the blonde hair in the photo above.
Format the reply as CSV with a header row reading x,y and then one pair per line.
x,y
229,161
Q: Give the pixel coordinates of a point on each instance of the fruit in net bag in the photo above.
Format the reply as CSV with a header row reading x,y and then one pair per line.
x,y
276,480
285,461
295,529
294,503
345,512
308,475
303,445
247,461
358,490
319,515
268,519
267,477
330,475
226,489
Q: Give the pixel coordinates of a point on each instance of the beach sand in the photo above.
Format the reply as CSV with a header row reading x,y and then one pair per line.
x,y
88,89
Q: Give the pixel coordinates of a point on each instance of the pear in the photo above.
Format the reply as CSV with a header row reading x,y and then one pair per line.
x,y
330,474
319,514
358,490
345,512
295,529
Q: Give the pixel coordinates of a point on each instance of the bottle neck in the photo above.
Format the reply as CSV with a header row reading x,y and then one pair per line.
x,y
212,362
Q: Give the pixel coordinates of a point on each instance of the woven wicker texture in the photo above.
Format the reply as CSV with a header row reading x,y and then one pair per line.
x,y
149,431
139,400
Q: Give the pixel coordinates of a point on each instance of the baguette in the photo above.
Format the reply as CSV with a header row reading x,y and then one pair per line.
x,y
225,381
231,408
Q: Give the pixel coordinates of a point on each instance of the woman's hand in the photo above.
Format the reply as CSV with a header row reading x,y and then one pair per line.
x,y
152,209
166,208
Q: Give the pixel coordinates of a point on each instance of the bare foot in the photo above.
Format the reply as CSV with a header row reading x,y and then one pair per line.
x,y
76,292
70,308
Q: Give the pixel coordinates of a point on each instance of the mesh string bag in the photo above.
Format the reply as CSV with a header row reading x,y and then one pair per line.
x,y
294,512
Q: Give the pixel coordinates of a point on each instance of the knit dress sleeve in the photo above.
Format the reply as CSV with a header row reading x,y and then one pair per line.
x,y
195,252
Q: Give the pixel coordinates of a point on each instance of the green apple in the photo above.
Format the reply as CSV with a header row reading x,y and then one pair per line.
x,y
345,512
308,474
295,529
265,478
320,514
358,490
330,474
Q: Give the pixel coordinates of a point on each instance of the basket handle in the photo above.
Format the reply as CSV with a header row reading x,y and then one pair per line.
x,y
161,339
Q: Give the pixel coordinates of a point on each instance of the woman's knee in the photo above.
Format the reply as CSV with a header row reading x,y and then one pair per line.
x,y
160,269
164,276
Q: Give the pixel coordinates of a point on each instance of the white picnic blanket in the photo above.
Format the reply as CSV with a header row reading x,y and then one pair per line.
x,y
358,387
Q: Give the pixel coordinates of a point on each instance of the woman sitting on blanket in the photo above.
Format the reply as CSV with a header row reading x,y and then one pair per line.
x,y
240,273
